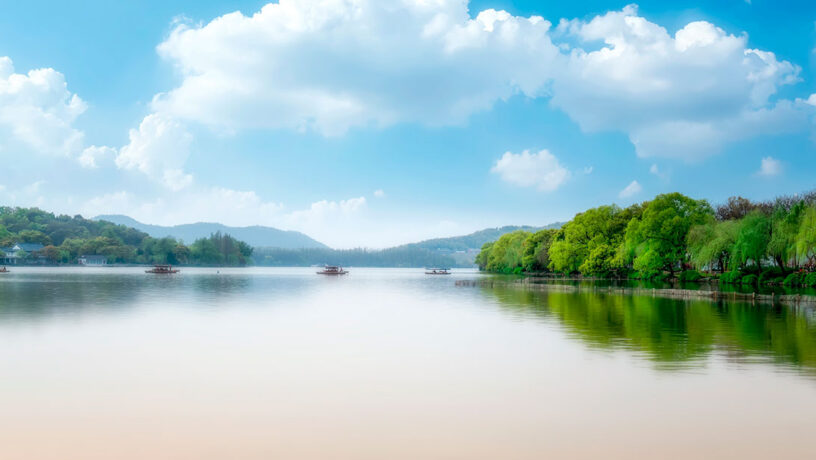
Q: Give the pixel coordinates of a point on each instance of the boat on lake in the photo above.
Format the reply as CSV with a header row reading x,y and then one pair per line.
x,y
4,270
437,271
332,270
162,270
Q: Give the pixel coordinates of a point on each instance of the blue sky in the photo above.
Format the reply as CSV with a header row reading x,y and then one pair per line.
x,y
369,123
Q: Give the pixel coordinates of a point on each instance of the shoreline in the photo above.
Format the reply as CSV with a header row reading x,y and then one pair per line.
x,y
713,295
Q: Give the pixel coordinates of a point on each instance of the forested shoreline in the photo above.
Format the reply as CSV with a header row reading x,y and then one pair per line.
x,y
65,238
404,256
672,237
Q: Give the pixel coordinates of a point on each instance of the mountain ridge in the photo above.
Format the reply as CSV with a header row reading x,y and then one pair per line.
x,y
254,235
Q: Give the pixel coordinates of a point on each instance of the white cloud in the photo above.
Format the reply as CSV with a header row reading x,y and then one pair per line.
x,y
630,190
654,169
541,170
329,221
37,111
683,96
159,149
588,170
93,155
324,209
215,204
379,194
329,65
770,166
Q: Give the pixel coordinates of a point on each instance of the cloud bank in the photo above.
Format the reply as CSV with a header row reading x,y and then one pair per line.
x,y
333,65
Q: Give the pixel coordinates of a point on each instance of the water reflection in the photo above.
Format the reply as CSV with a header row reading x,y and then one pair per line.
x,y
675,334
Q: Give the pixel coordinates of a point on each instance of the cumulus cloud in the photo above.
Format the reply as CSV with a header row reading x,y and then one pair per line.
x,y
379,193
37,111
630,190
324,209
158,148
682,96
92,156
541,170
769,167
330,65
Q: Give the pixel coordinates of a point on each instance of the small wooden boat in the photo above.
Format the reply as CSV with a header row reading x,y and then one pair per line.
x,y
4,270
332,270
437,271
162,270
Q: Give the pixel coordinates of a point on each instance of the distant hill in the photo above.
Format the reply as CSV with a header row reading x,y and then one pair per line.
x,y
475,240
464,248
256,236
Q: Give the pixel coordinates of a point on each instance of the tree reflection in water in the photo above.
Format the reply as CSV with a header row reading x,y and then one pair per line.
x,y
675,334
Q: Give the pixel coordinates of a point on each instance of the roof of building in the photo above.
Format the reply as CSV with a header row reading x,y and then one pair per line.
x,y
29,247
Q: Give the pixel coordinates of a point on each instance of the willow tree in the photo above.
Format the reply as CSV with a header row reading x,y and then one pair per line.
x,y
657,240
806,237
710,244
481,258
506,253
784,231
753,236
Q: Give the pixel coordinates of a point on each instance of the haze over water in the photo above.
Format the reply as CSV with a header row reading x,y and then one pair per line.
x,y
390,363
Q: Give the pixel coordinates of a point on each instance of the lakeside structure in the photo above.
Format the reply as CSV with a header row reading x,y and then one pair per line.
x,y
92,260
19,251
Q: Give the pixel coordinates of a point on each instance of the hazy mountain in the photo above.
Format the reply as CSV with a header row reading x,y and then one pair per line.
x,y
256,236
464,248
475,240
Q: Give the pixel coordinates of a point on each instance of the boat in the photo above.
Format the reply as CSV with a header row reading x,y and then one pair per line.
x,y
437,271
332,270
163,270
4,270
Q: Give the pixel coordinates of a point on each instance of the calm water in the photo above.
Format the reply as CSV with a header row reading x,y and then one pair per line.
x,y
282,363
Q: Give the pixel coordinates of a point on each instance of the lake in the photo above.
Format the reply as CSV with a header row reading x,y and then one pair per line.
x,y
390,363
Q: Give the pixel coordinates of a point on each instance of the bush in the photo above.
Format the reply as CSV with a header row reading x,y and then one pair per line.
x,y
732,277
749,279
771,275
810,280
689,276
794,279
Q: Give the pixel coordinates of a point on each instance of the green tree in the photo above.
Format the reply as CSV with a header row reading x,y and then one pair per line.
x,y
806,237
536,256
33,236
589,243
784,230
753,236
657,240
484,254
506,254
710,244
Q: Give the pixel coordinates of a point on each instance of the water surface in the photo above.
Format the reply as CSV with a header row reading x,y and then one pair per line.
x,y
390,363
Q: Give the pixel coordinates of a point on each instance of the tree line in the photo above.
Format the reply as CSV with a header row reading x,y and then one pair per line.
x,y
673,237
66,238
403,256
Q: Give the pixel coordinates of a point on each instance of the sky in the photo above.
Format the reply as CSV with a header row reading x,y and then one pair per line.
x,y
371,123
